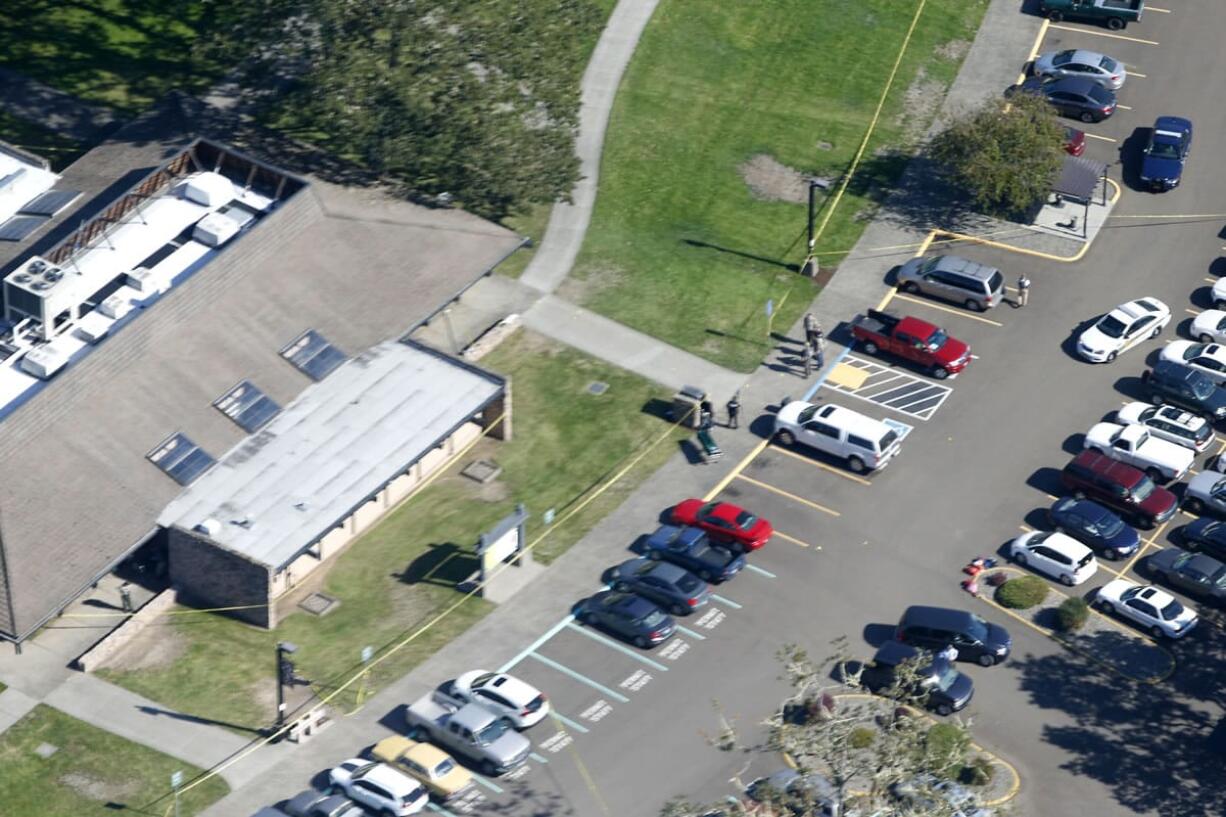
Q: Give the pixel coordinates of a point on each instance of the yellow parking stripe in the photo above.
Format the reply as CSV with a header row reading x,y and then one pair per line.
x,y
795,541
1104,34
1145,545
961,312
1192,311
821,465
1155,8
766,487
1123,107
1132,74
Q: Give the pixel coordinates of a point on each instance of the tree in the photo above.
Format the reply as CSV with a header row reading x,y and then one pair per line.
x,y
859,754
1005,155
466,100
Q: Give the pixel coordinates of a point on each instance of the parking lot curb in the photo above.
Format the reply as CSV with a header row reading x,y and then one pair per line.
x,y
1072,647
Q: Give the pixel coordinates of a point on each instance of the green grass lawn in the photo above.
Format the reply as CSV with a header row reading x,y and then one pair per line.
x,y
402,573
680,246
92,773
123,54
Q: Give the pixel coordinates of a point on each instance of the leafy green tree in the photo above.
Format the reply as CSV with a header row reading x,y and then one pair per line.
x,y
475,101
1005,155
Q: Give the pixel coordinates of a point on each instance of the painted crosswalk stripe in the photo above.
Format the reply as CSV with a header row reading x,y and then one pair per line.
x,y
728,602
619,647
580,677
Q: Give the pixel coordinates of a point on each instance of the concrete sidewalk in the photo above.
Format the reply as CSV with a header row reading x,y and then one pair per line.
x,y
568,222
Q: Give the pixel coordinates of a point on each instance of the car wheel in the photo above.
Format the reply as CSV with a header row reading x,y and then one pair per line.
x,y
1020,558
418,734
640,642
654,555
940,373
870,347
1060,529
1219,304
856,465
1055,16
787,437
986,660
1155,399
1111,357
973,305
1157,331
388,812
621,587
1066,580
944,710
911,287
705,575
1206,338
1154,474
1096,449
1086,116
1195,505
488,768
1106,607
1115,23
1156,631
681,610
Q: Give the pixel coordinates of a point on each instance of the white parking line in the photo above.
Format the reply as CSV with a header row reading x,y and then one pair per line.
x,y
619,647
761,571
536,644
494,787
578,727
1096,136
728,602
537,758
580,677
691,633
1104,34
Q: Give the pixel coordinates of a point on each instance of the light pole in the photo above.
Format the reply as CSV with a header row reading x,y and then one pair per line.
x,y
810,266
285,676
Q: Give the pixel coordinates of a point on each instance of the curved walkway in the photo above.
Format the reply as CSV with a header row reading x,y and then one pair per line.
x,y
568,222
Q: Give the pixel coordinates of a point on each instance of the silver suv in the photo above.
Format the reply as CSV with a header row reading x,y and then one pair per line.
x,y
955,279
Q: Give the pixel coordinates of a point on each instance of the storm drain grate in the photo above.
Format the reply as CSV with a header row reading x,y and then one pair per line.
x,y
319,604
597,387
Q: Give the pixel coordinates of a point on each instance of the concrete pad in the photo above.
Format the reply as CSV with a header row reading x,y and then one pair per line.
x,y
847,376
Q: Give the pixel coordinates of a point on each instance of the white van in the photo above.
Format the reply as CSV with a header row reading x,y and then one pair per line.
x,y
865,443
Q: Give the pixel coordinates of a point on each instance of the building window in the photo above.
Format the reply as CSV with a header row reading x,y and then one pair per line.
x,y
247,406
181,459
313,355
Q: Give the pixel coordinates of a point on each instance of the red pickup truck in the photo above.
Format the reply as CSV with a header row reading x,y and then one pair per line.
x,y
913,339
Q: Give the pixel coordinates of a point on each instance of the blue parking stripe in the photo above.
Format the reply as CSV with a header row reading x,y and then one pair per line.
x,y
728,602
538,758
691,633
822,377
494,787
581,678
568,723
765,573
435,807
619,647
535,644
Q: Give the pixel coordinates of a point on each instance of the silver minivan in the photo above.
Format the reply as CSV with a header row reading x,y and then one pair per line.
x,y
973,285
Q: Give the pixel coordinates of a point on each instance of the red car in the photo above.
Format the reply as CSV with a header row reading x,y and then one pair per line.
x,y
723,523
1074,141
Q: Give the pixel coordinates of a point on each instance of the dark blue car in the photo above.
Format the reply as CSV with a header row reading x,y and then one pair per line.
x,y
631,617
1167,152
1205,535
690,548
1094,526
671,586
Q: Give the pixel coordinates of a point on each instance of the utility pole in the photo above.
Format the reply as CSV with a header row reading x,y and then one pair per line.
x,y
285,676
810,266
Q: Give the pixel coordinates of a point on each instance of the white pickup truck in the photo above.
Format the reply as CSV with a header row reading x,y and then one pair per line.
x,y
1134,445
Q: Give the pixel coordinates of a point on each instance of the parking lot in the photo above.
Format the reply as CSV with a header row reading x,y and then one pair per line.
x,y
980,463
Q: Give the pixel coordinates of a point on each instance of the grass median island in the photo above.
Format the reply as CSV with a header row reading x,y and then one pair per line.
x,y
724,110
402,573
91,772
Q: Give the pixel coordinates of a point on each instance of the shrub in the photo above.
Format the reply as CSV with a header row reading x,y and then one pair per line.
x,y
979,772
946,745
861,737
1022,592
1072,614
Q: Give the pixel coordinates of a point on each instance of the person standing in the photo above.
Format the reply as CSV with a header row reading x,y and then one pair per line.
x,y
706,415
819,347
807,358
734,410
1023,289
812,329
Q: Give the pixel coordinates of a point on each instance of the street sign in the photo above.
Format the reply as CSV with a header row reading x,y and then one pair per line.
x,y
176,779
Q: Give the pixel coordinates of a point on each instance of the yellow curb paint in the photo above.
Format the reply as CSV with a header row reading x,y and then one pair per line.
x,y
885,299
789,495
960,312
847,376
1038,40
1105,34
821,465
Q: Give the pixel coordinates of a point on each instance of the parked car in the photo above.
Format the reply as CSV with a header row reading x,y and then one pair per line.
x,y
1219,293
953,278
1094,525
1115,13
1074,141
1169,423
1077,98
810,795
1209,358
1196,574
1054,554
471,731
517,701
1118,486
1209,326
311,803
943,689
1185,387
723,522
1205,536
1166,152
1206,493
972,637
1123,328
671,586
1157,612
378,787
1079,62
429,765
912,339
865,443
1137,446
631,617
691,548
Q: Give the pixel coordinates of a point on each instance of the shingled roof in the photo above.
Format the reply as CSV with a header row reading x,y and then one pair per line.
x,y
76,490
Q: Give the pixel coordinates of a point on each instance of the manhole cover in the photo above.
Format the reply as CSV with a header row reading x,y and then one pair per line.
x,y
46,750
825,146
596,387
482,470
319,604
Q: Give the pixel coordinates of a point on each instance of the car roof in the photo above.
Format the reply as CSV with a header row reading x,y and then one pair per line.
x,y
895,652
1066,544
1121,472
1155,596
1176,371
1076,85
856,423
1090,509
473,717
629,604
667,571
1139,307
921,615
956,263
1176,125
396,782
426,754
914,326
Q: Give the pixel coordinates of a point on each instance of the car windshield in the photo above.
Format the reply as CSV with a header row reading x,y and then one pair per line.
x,y
1193,350
746,520
1063,58
494,731
1111,326
937,339
707,554
1172,610
979,628
806,414
929,265
946,677
1164,150
1202,387
652,619
1109,65
887,439
1144,488
1109,526
1219,579
443,768
482,680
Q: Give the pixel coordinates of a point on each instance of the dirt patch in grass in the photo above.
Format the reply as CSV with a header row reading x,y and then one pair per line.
x,y
770,180
577,289
953,50
105,791
154,648
920,103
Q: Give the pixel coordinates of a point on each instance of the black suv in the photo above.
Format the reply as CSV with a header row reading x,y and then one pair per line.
x,y
973,638
1187,388
948,690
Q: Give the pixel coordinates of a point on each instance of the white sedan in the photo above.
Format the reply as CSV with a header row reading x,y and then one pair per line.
x,y
1209,358
1123,328
1219,293
1154,610
1169,423
1054,554
1209,326
506,695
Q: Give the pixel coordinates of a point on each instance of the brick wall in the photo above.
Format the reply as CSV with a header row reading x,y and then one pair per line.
x,y
209,576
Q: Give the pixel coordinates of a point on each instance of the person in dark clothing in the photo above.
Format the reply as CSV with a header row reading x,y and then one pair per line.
x,y
807,359
734,411
706,414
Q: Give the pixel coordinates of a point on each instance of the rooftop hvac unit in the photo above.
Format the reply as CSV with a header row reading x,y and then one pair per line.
x,y
116,306
215,229
44,361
